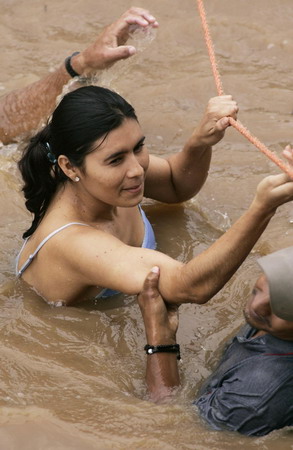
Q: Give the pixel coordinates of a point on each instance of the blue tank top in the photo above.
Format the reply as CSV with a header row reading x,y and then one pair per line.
x,y
149,241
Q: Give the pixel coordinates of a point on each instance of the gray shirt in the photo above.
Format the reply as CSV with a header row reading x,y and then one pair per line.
x,y
251,391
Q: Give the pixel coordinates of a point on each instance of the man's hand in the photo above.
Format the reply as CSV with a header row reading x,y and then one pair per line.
x,y
160,319
23,110
109,46
161,324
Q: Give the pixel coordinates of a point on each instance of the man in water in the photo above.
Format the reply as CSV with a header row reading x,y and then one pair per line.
x,y
251,390
22,110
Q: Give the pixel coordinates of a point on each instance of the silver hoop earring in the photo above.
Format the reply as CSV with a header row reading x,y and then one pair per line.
x,y
76,179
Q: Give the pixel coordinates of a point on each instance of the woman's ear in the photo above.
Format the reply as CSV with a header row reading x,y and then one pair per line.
x,y
69,170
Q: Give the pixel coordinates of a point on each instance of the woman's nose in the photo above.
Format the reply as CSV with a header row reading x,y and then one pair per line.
x,y
135,169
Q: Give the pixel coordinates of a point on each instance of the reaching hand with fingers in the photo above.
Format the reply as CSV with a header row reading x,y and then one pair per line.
x,y
23,110
110,46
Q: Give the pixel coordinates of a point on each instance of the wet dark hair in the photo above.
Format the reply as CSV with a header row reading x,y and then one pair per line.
x,y
82,117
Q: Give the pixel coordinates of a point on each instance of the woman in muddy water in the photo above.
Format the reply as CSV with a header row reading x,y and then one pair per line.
x,y
75,375
85,175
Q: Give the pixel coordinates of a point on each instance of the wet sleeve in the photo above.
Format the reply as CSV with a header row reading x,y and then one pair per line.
x,y
253,398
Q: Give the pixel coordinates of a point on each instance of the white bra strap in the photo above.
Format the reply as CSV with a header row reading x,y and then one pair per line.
x,y
18,256
31,257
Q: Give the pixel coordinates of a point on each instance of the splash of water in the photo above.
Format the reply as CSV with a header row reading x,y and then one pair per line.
x,y
140,38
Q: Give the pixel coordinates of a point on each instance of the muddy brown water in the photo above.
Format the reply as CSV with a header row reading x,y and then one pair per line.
x,y
73,378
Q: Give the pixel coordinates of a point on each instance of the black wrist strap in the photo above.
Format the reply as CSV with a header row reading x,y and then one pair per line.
x,y
151,349
69,67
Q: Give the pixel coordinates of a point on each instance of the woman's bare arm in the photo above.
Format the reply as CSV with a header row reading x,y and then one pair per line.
x,y
100,259
182,175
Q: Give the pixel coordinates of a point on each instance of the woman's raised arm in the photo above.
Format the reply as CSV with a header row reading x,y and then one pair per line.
x,y
181,176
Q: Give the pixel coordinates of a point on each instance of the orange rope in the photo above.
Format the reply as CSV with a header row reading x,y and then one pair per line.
x,y
210,48
236,124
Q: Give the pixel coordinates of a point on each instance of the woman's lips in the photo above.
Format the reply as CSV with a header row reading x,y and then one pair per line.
x,y
134,189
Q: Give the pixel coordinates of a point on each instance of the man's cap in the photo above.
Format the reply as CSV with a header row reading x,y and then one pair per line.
x,y
278,269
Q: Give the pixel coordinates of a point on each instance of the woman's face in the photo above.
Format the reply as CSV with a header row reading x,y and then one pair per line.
x,y
114,173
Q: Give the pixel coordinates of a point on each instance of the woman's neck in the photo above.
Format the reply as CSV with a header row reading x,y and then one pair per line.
x,y
72,204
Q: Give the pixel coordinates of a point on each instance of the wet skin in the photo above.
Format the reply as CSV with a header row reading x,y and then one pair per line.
x,y
114,173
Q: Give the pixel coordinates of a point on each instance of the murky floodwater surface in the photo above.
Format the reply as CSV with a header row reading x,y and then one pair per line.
x,y
73,378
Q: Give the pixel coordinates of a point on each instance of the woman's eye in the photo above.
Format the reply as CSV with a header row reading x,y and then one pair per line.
x,y
139,148
116,161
